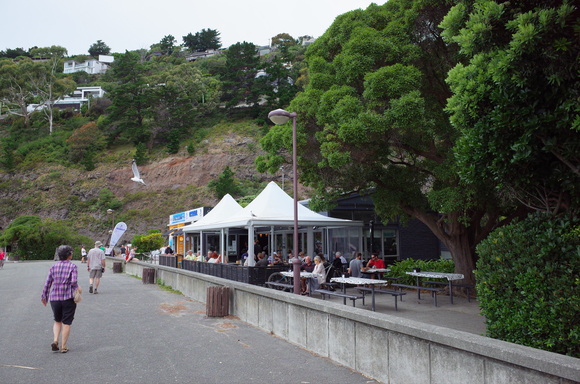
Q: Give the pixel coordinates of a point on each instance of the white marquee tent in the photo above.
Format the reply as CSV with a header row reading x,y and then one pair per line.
x,y
271,208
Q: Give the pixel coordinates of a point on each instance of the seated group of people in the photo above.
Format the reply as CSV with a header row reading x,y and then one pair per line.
x,y
212,257
357,266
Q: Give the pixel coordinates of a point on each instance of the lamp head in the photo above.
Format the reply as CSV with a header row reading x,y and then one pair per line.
x,y
280,116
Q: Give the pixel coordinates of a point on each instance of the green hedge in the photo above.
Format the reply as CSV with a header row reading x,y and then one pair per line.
x,y
400,268
528,283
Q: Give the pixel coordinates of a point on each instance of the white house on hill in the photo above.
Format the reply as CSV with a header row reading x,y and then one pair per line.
x,y
91,66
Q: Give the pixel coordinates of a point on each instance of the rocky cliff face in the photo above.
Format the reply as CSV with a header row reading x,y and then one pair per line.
x,y
174,184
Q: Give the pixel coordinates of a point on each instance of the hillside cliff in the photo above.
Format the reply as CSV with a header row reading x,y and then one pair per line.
x,y
174,184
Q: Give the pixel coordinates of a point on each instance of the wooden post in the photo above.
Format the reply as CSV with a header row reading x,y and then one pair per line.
x,y
148,276
217,301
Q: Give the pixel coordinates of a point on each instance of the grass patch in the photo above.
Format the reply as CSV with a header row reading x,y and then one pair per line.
x,y
167,288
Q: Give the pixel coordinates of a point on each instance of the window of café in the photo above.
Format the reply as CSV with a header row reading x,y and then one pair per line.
x,y
390,244
344,240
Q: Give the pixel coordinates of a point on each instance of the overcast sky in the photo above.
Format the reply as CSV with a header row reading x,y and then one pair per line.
x,y
134,24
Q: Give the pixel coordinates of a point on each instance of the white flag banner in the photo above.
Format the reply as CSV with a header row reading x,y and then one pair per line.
x,y
119,230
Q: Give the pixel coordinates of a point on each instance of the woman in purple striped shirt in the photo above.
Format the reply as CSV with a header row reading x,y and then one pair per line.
x,y
61,282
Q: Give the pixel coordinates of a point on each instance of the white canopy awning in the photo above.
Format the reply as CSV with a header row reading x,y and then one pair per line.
x,y
224,209
272,207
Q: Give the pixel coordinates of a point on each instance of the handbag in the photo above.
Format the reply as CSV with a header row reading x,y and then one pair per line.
x,y
77,294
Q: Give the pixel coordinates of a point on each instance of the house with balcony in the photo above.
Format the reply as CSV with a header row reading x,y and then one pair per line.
x,y
91,66
79,97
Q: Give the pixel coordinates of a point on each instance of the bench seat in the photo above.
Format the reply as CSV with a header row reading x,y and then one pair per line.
x,y
391,292
468,287
422,288
325,292
281,286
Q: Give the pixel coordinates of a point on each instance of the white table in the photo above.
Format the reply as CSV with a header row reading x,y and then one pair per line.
x,y
376,271
359,281
303,275
438,275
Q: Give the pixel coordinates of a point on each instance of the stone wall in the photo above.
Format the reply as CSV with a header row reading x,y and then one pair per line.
x,y
386,348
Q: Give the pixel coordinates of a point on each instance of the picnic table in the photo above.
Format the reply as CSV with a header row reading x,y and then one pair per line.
x,y
436,275
359,281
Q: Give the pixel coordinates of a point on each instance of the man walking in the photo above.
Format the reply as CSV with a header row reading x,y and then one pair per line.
x,y
95,266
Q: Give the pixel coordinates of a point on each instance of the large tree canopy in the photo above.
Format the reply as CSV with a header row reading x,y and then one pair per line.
x,y
516,102
372,116
99,48
203,40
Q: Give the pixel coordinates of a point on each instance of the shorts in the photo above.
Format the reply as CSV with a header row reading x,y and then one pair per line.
x,y
64,311
96,273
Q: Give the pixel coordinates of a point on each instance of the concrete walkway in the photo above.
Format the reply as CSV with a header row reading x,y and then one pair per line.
x,y
135,333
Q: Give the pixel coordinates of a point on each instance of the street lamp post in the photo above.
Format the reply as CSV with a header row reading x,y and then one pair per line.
x,y
278,117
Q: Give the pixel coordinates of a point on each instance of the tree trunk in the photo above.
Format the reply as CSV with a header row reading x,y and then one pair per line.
x,y
459,239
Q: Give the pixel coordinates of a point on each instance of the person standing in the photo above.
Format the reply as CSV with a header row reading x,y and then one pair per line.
x,y
2,256
61,282
83,254
123,251
95,266
257,247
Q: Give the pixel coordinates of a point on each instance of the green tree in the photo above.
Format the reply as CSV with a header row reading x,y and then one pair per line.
x,y
527,283
372,117
182,94
167,44
240,73
13,53
515,99
141,157
47,83
275,82
85,143
99,48
16,91
35,239
148,242
283,41
130,96
226,183
202,41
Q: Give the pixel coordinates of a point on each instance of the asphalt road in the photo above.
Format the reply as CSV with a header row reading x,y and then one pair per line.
x,y
135,333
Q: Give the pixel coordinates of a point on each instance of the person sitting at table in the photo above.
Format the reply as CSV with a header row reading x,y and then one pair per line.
x,y
262,261
277,259
189,255
321,278
375,263
337,262
307,265
356,266
214,258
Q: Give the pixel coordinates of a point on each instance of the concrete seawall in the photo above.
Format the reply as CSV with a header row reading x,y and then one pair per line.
x,y
381,346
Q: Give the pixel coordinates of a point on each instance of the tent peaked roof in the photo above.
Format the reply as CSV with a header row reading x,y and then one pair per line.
x,y
273,206
221,212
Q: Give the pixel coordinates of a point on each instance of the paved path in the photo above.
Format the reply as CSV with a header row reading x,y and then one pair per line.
x,y
135,333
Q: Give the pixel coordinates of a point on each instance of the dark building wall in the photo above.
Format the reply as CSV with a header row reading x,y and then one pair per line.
x,y
418,242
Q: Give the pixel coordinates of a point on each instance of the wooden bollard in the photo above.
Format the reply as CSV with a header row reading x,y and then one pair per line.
x,y
217,301
148,276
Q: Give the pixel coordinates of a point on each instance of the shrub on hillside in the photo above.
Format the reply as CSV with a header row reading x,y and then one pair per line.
x,y
528,283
